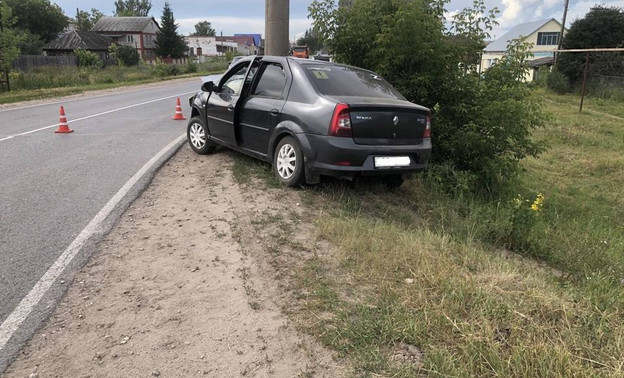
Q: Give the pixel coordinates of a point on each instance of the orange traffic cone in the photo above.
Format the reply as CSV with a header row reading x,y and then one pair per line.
x,y
63,127
178,116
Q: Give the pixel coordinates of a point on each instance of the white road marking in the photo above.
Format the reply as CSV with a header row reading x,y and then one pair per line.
x,y
95,115
8,109
12,323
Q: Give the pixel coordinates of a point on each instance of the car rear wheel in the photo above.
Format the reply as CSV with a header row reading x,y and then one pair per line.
x,y
197,135
288,162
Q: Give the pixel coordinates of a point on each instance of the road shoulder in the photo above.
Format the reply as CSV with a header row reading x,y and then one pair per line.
x,y
182,286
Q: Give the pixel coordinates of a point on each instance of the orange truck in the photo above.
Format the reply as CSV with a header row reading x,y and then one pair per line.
x,y
301,52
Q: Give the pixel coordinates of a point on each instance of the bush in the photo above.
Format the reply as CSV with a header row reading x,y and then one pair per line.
x,y
87,58
480,126
558,82
127,56
190,67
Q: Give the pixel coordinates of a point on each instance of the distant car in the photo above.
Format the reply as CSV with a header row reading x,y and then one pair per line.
x,y
323,57
311,118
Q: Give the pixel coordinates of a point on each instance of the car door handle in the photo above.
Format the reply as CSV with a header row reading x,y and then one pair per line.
x,y
275,112
230,108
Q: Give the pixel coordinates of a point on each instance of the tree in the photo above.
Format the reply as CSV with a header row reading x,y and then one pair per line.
x,y
481,125
602,27
204,29
9,41
127,56
39,17
169,44
132,8
311,40
85,20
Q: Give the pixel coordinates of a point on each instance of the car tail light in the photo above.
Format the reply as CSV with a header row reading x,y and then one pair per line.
x,y
427,133
341,122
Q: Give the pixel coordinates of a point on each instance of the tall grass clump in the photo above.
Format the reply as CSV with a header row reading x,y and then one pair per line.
x,y
91,73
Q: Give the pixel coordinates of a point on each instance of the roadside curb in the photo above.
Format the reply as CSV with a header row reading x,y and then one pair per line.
x,y
41,301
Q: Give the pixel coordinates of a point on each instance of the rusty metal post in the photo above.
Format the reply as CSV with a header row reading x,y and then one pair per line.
x,y
584,81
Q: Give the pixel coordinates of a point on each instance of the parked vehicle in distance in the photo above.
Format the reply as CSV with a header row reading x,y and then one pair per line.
x,y
301,52
311,118
323,57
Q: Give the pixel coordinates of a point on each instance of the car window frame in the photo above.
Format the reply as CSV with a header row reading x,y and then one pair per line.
x,y
234,70
258,77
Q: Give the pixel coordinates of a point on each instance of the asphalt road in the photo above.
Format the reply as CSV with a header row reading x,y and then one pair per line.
x,y
53,185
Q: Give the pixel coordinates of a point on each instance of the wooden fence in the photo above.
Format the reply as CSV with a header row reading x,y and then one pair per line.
x,y
26,62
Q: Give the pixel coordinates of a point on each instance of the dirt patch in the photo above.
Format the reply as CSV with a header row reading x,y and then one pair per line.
x,y
185,285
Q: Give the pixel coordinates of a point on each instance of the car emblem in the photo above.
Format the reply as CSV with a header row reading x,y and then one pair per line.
x,y
396,120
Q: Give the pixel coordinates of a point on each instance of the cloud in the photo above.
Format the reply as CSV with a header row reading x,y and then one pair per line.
x,y
233,25
514,9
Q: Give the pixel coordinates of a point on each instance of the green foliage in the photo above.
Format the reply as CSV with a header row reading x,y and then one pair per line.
x,y
602,27
325,18
480,126
169,44
86,20
47,78
161,69
127,56
87,58
525,217
9,38
311,40
39,18
558,82
204,29
132,8
229,55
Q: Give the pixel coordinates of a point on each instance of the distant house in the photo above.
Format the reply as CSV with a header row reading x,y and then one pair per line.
x,y
201,46
544,35
137,32
68,42
245,44
258,42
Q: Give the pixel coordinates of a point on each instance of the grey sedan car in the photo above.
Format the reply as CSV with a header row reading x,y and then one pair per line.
x,y
311,118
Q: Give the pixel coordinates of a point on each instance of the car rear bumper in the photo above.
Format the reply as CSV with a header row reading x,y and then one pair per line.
x,y
336,156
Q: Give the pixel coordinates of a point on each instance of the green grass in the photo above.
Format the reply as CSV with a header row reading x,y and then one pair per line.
x,y
590,103
435,271
53,82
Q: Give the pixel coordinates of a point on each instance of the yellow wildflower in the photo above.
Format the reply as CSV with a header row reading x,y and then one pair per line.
x,y
538,203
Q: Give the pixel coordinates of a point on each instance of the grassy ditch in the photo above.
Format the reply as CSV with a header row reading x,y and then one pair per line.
x,y
423,282
49,82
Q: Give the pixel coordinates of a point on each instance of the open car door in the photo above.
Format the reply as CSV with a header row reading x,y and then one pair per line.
x,y
223,104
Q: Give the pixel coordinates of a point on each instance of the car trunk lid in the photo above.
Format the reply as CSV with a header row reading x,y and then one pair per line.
x,y
386,122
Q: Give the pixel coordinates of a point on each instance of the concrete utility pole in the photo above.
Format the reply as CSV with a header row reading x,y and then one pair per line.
x,y
563,23
276,31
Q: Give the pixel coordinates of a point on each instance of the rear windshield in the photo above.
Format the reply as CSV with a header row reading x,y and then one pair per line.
x,y
349,81
300,49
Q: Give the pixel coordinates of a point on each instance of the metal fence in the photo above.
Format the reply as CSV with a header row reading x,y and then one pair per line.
x,y
27,62
605,86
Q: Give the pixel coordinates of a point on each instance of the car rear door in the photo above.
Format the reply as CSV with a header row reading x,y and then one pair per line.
x,y
261,111
224,101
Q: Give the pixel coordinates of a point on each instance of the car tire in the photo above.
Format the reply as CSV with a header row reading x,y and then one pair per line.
x,y
288,163
197,135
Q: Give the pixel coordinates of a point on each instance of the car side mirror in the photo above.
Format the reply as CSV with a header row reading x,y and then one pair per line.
x,y
208,86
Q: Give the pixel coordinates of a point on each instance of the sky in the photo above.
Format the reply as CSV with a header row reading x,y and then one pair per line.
x,y
247,16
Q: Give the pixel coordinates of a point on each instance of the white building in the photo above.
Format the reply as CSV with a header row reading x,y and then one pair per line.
x,y
201,46
544,35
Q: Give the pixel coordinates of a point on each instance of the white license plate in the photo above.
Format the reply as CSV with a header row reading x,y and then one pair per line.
x,y
392,161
